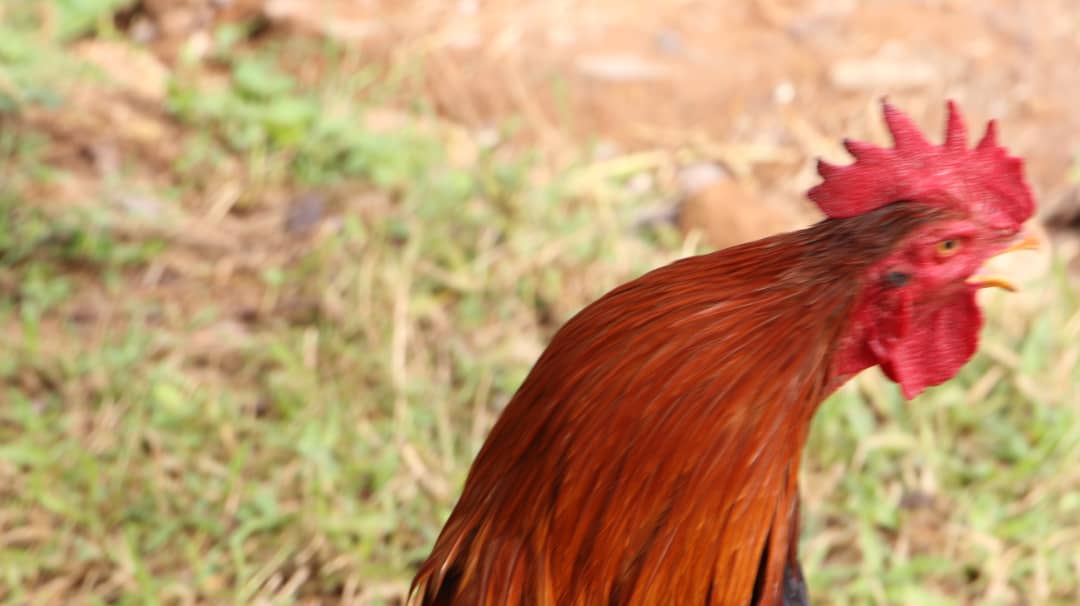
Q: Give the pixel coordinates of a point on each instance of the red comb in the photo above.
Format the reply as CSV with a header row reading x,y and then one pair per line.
x,y
985,181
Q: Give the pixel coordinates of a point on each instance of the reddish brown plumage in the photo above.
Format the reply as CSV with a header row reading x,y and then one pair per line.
x,y
651,456
655,445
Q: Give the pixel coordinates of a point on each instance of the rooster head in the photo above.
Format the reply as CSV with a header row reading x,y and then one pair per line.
x,y
917,316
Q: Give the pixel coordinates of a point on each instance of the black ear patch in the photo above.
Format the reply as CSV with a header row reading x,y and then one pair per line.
x,y
896,279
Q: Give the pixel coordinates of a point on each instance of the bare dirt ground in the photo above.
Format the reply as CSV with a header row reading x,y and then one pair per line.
x,y
760,87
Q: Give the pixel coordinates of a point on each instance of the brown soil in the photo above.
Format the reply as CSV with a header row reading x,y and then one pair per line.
x,y
759,86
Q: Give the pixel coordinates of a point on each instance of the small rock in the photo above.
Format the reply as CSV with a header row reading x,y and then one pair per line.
x,y
880,73
620,68
143,30
304,212
670,42
916,499
728,214
696,177
784,93
143,207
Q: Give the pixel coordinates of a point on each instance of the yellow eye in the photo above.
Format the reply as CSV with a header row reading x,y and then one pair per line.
x,y
948,247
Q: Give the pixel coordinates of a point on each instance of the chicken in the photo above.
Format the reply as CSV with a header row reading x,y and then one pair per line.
x,y
651,456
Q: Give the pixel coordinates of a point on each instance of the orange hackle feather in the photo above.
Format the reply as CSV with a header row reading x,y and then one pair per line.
x,y
651,456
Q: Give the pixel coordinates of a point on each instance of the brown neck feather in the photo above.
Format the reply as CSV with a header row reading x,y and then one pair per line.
x,y
654,448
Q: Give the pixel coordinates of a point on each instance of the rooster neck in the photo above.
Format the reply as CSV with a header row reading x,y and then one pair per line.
x,y
663,423
652,454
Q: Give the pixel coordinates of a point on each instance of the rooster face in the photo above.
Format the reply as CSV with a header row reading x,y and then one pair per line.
x,y
917,317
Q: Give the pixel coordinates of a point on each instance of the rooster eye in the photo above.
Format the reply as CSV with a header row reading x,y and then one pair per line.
x,y
948,247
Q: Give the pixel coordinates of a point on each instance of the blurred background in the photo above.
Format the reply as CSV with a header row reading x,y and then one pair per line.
x,y
270,268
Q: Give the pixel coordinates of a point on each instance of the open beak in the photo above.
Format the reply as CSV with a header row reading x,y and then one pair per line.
x,y
1025,241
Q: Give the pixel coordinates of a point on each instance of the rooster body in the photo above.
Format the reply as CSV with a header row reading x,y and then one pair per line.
x,y
651,456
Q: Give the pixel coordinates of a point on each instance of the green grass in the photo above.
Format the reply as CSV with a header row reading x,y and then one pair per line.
x,y
977,479
202,407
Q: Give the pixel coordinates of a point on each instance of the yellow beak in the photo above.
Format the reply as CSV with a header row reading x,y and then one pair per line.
x,y
1025,241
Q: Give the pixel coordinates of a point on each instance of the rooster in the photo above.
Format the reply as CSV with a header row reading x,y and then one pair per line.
x,y
651,456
